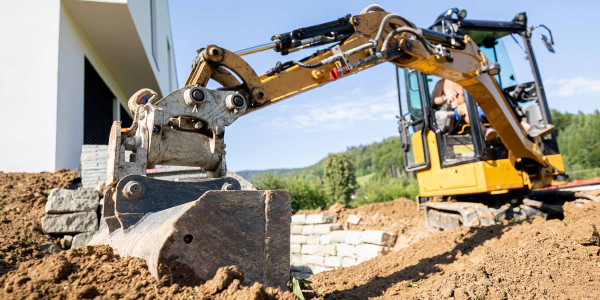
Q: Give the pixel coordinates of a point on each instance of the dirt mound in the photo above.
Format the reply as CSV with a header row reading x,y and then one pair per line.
x,y
29,271
399,216
529,260
91,272
22,200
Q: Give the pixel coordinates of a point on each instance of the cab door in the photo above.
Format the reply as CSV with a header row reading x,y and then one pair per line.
x,y
413,120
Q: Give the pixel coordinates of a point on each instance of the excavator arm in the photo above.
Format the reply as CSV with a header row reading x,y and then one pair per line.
x,y
373,37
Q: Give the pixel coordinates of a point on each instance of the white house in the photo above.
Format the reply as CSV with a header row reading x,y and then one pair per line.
x,y
67,68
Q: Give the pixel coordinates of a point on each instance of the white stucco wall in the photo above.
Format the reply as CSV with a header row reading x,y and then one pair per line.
x,y
73,48
29,58
140,12
42,76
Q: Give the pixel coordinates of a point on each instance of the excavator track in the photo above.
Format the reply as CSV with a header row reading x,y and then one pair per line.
x,y
442,216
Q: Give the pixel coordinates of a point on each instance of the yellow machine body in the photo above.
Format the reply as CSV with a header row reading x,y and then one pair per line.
x,y
493,177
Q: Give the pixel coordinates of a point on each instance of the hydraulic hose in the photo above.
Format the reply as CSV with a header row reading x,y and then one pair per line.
x,y
385,21
416,32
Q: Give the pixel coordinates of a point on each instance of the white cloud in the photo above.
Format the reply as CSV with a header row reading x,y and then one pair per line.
x,y
342,110
568,87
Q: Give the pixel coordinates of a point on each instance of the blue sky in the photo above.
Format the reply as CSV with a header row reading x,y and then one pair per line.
x,y
361,108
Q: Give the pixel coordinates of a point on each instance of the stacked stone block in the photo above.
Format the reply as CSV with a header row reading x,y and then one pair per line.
x,y
319,244
93,165
72,213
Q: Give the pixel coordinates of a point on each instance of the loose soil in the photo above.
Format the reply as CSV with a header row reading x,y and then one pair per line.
x,y
28,272
536,259
96,272
23,197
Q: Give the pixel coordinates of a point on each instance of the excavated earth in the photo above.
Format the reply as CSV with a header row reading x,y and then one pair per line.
x,y
535,259
27,271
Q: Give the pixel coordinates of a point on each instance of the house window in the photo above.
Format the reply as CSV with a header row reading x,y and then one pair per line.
x,y
154,31
98,107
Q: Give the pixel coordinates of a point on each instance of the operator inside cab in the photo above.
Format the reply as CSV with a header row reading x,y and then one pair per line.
x,y
450,93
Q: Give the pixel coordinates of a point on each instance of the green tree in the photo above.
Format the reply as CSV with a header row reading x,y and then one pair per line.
x,y
339,178
578,142
306,193
270,181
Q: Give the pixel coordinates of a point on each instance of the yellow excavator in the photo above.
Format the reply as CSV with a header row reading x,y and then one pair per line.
x,y
186,230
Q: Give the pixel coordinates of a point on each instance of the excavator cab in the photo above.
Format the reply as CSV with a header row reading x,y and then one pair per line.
x,y
454,159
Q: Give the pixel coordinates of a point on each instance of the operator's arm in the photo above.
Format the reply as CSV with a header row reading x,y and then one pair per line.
x,y
438,95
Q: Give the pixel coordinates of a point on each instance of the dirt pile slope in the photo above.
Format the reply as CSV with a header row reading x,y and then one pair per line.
x,y
23,197
555,259
27,271
536,259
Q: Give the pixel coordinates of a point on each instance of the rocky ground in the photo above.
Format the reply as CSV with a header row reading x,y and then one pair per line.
x,y
536,259
22,200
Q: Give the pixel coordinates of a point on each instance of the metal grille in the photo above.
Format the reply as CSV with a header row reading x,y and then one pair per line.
x,y
97,108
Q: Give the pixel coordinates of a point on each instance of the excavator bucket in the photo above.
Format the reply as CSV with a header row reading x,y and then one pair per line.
x,y
185,231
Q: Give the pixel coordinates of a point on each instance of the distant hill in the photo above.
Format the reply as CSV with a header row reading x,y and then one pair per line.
x,y
384,156
253,174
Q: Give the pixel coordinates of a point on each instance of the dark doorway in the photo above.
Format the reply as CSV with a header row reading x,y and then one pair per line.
x,y
97,107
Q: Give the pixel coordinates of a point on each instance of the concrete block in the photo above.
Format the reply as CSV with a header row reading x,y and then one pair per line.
x,y
321,218
307,229
319,268
299,219
313,239
309,259
368,251
82,239
348,262
295,248
333,261
298,239
296,259
361,259
324,239
353,237
326,228
310,249
378,237
327,250
66,201
296,229
353,219
345,250
70,223
338,236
